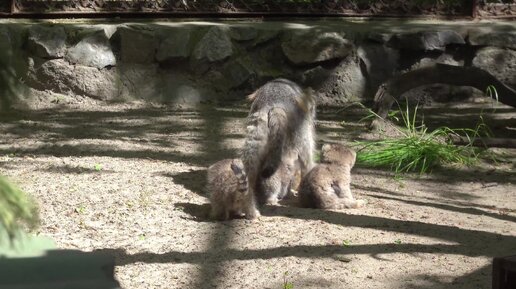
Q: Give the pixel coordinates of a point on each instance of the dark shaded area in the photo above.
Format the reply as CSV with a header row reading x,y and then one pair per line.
x,y
448,207
59,269
194,181
504,272
200,213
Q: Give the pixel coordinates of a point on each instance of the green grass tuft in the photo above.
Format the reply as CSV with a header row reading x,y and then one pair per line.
x,y
419,149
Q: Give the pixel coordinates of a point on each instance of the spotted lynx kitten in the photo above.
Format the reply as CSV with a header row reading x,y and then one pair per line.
x,y
327,185
227,189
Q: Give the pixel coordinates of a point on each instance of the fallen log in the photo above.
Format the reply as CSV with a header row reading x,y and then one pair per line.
x,y
485,142
390,91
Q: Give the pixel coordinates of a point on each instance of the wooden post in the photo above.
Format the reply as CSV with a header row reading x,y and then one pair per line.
x,y
504,272
13,7
474,8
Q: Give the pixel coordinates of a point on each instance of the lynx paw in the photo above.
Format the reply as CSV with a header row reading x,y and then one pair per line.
x,y
252,214
360,203
272,201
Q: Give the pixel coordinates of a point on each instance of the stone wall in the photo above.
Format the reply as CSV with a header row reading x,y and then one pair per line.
x,y
190,62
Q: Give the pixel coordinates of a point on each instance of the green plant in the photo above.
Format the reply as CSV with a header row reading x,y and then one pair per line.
x,y
491,92
17,210
419,149
80,210
286,283
98,167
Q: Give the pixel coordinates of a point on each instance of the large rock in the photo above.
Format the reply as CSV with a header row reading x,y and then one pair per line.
x,y
379,37
344,83
484,37
137,45
306,47
176,44
59,76
180,89
443,58
94,50
265,36
139,81
243,33
47,41
499,62
426,41
215,45
237,72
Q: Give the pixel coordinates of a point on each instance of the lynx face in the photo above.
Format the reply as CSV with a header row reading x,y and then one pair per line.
x,y
338,154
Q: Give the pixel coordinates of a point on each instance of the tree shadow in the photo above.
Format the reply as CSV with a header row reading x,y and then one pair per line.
x,y
194,180
465,242
199,213
448,207
145,133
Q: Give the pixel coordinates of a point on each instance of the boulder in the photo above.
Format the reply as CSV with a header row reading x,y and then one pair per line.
x,y
431,40
175,44
499,62
443,58
215,45
237,72
312,46
379,37
180,89
59,76
483,37
265,36
94,50
139,81
47,41
137,45
243,33
344,83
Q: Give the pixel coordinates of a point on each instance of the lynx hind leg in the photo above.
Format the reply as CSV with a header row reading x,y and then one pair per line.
x,y
249,204
313,195
250,210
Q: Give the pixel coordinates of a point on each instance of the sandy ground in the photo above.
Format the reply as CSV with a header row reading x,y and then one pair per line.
x,y
129,180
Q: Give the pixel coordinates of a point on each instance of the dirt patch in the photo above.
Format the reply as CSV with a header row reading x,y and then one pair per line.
x,y
129,180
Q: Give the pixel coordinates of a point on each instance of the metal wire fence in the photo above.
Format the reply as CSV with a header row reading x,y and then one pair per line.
x,y
396,8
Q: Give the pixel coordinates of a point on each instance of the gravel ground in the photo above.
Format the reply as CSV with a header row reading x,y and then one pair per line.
x,y
129,180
